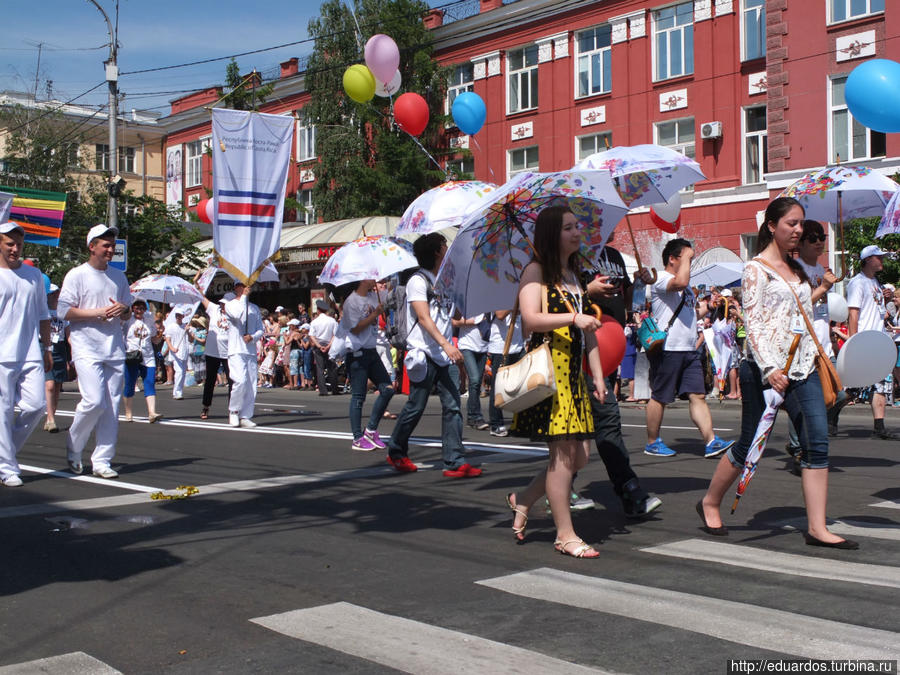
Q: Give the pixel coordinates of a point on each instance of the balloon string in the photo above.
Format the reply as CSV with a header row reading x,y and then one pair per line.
x,y
415,140
490,168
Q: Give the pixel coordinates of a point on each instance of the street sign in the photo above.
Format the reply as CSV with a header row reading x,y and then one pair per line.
x,y
120,258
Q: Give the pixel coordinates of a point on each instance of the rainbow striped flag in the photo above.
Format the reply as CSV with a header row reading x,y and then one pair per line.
x,y
40,212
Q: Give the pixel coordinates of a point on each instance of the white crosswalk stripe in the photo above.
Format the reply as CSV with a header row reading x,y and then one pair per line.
x,y
784,563
886,505
741,623
411,646
76,663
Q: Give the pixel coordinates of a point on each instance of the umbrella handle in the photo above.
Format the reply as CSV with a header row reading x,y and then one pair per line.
x,y
792,351
841,233
595,308
637,256
734,506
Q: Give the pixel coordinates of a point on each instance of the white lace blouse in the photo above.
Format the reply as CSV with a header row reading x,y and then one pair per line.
x,y
770,316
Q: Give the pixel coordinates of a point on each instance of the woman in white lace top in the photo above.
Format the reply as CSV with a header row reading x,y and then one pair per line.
x,y
772,317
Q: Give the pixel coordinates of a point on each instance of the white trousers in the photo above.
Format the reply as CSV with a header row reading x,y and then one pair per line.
x,y
21,384
242,369
100,384
180,367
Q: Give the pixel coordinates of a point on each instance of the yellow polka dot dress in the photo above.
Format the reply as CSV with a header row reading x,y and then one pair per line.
x,y
567,414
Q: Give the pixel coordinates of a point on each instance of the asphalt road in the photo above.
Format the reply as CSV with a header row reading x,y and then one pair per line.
x,y
298,554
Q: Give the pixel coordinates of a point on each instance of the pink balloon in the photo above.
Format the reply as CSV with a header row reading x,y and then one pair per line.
x,y
382,57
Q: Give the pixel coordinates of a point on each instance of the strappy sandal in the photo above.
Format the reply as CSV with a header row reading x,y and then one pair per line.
x,y
581,551
204,414
518,532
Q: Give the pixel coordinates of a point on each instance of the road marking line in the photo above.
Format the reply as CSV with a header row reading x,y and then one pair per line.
x,y
783,563
90,479
410,646
644,426
738,622
849,528
887,505
65,664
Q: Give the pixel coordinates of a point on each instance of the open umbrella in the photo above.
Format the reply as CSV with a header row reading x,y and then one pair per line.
x,y
482,268
890,221
644,175
838,192
446,205
166,289
368,258
717,274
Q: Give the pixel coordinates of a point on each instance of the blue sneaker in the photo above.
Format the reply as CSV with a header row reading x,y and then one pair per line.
x,y
658,449
716,447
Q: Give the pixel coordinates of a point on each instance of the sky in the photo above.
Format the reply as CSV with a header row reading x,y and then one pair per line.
x,y
152,34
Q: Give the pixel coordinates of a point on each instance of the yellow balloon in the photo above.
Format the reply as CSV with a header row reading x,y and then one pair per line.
x,y
359,83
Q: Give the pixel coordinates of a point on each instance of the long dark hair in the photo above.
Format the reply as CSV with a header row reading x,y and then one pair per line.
x,y
547,229
775,211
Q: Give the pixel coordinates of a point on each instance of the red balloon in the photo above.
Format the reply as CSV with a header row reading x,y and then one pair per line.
x,y
610,344
204,210
411,113
29,262
665,225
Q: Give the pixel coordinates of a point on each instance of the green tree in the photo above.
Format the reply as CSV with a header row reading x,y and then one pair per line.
x,y
860,233
365,165
247,92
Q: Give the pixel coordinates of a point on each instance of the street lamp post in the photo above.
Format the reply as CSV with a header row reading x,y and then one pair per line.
x,y
112,79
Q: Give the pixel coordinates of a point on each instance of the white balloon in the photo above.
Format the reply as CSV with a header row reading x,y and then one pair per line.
x,y
390,88
866,358
670,209
837,307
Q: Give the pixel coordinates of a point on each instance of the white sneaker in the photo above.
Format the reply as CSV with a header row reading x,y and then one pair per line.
x,y
105,472
12,480
73,462
233,419
247,423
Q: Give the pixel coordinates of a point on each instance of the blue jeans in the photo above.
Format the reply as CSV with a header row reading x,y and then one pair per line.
x,y
805,405
474,362
833,412
495,414
360,369
447,380
148,377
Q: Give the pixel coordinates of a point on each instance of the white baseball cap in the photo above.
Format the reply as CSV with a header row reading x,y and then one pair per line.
x,y
871,250
101,230
294,322
228,296
10,226
279,308
726,293
416,365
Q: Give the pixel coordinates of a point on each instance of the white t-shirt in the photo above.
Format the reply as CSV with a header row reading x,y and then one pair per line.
x,y
322,328
245,319
470,336
499,329
356,308
441,311
23,305
217,335
178,338
866,295
820,318
87,288
682,335
139,335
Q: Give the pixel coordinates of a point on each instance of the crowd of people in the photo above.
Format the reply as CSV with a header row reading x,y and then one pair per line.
x,y
93,326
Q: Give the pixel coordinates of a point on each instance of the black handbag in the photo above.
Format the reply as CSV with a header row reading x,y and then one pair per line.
x,y
133,356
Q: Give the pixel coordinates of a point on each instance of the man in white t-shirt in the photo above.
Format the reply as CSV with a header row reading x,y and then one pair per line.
x,y
176,339
23,360
321,333
246,328
430,360
676,368
215,351
867,299
474,334
95,299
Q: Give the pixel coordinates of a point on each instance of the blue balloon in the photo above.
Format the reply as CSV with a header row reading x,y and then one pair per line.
x,y
468,112
873,95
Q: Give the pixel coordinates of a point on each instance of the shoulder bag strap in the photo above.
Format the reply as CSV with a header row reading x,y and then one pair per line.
x,y
678,310
513,316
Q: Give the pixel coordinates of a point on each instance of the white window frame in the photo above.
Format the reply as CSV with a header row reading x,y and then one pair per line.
x,y
101,156
848,6
678,146
306,141
605,58
458,165
748,245
457,85
529,73
657,77
833,109
127,155
308,214
760,12
510,172
193,163
761,151
599,144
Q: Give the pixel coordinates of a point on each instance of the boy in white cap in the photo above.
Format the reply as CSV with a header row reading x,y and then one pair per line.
x,y
95,299
23,361
246,329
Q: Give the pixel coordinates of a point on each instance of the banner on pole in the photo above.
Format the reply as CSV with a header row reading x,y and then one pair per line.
x,y
6,200
40,212
251,155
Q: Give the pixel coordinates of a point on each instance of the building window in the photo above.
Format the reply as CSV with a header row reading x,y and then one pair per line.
x,y
753,17
462,79
462,169
101,160
841,10
678,135
101,157
748,245
126,160
756,144
850,140
588,145
193,164
306,142
594,61
307,214
522,69
673,32
522,159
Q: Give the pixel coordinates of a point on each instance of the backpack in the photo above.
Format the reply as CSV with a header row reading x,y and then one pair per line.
x,y
397,330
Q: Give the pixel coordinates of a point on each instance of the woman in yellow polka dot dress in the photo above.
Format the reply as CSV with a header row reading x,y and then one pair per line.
x,y
564,420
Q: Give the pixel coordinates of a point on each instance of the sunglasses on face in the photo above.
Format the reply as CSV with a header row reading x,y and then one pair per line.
x,y
813,238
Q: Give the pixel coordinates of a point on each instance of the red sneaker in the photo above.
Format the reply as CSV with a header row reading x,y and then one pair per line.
x,y
463,471
402,464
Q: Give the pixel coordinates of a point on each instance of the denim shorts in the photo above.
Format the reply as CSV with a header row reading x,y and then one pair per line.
x,y
675,374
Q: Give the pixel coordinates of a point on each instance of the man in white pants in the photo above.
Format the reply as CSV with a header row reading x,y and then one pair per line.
x,y
247,328
95,299
176,339
23,361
